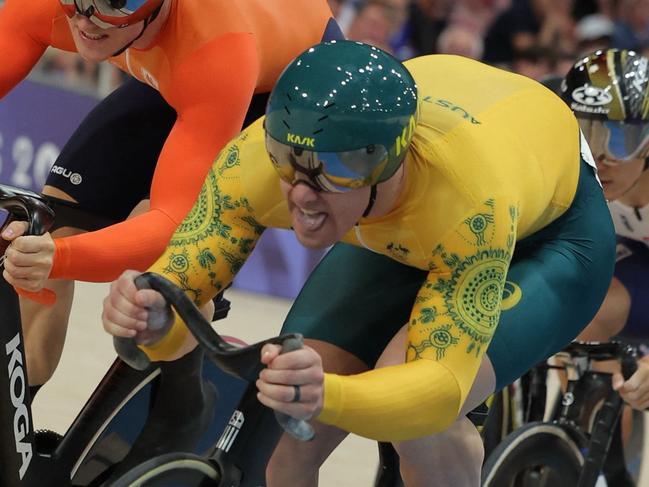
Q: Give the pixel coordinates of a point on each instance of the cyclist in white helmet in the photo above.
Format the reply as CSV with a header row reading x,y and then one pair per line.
x,y
607,90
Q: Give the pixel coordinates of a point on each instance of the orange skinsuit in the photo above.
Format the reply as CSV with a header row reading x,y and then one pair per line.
x,y
208,60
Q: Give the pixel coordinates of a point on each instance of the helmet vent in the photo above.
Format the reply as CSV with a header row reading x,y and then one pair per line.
x,y
286,125
287,110
323,118
317,131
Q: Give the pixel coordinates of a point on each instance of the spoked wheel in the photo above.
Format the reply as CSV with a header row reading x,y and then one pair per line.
x,y
171,470
535,455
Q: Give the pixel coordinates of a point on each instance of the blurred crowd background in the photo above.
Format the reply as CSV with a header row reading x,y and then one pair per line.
x,y
536,38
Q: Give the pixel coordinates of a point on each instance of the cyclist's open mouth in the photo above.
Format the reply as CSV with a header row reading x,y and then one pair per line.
x,y
92,37
308,220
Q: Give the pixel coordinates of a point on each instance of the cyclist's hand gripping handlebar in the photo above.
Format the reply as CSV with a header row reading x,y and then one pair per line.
x,y
241,362
25,205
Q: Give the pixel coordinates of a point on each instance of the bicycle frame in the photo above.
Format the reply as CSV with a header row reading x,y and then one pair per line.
x,y
576,445
17,442
586,391
17,449
21,464
247,443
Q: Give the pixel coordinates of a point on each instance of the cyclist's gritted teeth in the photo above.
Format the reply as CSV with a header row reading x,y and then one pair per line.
x,y
308,219
91,37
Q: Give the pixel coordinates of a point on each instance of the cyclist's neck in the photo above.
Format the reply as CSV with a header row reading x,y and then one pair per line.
x,y
154,28
388,193
638,195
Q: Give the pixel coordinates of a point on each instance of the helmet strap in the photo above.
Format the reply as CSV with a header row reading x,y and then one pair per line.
x,y
370,204
147,21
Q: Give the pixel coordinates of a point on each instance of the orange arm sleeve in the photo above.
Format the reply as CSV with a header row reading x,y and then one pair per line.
x,y
25,31
211,92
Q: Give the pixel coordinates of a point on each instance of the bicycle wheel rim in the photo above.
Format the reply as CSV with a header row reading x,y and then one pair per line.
x,y
528,451
170,469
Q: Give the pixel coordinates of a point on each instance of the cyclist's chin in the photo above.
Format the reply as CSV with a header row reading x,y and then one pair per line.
x,y
96,54
614,190
96,51
316,240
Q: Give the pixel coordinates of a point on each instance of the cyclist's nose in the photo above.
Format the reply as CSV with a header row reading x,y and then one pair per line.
x,y
303,192
603,162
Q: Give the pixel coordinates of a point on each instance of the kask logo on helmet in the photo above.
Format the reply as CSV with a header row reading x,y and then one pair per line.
x,y
299,140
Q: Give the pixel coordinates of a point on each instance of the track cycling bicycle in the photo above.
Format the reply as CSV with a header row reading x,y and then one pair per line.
x,y
120,419
240,456
572,447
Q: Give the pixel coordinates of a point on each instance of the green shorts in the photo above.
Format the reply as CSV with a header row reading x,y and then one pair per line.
x,y
358,300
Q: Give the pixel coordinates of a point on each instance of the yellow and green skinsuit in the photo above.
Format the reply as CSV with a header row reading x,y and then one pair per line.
x,y
494,159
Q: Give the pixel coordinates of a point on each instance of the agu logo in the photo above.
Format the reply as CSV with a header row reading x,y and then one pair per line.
x,y
74,177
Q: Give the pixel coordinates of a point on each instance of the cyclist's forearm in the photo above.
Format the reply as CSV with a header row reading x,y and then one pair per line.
x,y
210,246
395,403
23,58
101,256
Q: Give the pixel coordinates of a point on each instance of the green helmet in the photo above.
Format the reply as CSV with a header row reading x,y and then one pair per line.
x,y
343,113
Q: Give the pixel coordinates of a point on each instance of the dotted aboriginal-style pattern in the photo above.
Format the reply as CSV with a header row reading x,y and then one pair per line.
x,y
477,298
473,285
200,221
204,246
440,339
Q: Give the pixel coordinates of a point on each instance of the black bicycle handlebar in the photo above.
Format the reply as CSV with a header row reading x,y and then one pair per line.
x,y
243,362
625,353
27,205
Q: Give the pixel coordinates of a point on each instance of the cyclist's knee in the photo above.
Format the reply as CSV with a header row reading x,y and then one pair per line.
x,y
453,456
44,330
612,315
297,463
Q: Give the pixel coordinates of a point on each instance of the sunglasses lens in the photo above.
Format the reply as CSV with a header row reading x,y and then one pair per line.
x,y
106,14
618,141
627,141
354,169
336,172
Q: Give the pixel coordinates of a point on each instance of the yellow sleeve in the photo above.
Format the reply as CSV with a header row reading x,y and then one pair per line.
x,y
452,322
211,244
